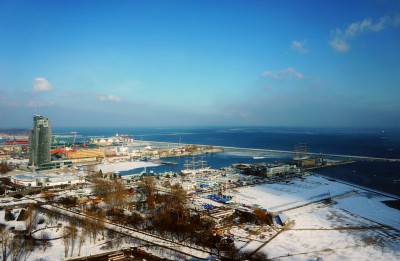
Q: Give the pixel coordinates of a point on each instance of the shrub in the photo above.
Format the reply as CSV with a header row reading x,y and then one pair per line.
x,y
9,216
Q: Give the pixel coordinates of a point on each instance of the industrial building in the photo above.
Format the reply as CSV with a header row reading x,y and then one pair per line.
x,y
274,169
85,153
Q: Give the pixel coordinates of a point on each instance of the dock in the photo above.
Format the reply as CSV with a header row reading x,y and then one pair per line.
x,y
350,157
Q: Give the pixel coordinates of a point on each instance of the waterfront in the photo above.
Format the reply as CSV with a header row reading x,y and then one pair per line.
x,y
384,176
341,214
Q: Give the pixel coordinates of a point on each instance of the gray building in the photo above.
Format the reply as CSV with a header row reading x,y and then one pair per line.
x,y
40,141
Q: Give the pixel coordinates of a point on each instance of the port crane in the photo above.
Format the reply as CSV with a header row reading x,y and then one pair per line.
x,y
69,142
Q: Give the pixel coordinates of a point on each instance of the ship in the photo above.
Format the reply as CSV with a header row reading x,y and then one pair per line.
x,y
62,151
17,141
300,152
191,167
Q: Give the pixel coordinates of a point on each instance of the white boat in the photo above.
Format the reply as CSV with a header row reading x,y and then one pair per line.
x,y
191,167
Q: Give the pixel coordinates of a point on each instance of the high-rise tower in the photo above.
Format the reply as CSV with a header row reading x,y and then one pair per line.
x,y
40,141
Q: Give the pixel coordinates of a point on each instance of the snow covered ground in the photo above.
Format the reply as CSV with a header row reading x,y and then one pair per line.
x,y
124,166
18,161
331,233
356,226
282,196
370,206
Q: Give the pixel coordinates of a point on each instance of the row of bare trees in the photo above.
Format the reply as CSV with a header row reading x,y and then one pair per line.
x,y
78,231
17,247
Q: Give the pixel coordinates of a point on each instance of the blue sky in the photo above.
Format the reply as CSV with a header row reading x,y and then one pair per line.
x,y
200,63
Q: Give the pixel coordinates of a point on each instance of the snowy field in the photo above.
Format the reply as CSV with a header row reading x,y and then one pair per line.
x,y
124,166
356,226
331,233
282,196
369,205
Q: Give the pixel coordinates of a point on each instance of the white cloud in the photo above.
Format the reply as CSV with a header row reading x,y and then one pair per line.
x,y
110,97
295,73
340,45
341,38
365,26
283,74
238,113
38,104
299,46
41,85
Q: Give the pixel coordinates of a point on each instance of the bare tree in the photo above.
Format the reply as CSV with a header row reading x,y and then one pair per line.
x,y
82,236
148,185
5,237
150,202
44,237
102,187
17,248
4,167
86,226
119,196
92,227
260,216
73,239
173,216
31,219
100,223
29,246
66,240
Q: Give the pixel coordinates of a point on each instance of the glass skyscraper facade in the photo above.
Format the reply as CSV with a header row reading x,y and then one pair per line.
x,y
40,141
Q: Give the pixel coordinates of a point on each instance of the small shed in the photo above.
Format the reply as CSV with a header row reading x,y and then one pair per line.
x,y
281,219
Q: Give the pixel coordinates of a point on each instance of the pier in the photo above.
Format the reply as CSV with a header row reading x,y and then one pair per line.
x,y
350,157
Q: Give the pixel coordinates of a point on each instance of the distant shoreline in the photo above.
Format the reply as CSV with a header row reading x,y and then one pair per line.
x,y
358,186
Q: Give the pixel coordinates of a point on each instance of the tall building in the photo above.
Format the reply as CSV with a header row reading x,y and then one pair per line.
x,y
40,141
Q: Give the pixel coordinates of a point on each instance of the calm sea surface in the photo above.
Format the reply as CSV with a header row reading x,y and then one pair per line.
x,y
384,176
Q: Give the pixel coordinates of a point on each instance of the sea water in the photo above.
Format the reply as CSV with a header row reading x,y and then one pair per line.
x,y
380,175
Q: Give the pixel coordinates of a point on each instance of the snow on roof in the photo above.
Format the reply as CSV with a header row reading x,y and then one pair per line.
x,y
26,177
282,218
12,202
17,161
124,166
